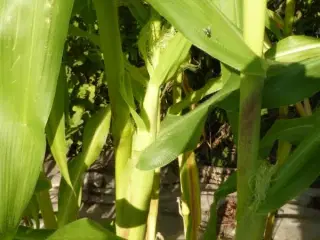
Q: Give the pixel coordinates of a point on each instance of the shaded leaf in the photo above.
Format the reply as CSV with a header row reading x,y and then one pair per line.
x,y
43,183
25,233
296,174
32,210
95,134
274,23
290,83
227,187
290,130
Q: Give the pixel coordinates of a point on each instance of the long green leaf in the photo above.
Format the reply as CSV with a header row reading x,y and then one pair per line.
x,y
212,86
179,134
227,187
290,83
297,173
294,49
94,138
274,23
232,9
290,130
170,59
25,233
83,229
210,30
32,36
55,128
32,211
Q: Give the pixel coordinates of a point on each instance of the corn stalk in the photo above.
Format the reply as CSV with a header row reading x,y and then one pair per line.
x,y
250,226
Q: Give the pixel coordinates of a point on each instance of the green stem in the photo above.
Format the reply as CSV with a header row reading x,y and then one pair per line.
x,y
154,206
289,17
45,205
190,191
250,226
122,129
190,207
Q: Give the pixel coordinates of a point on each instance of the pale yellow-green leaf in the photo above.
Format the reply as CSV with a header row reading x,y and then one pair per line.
x,y
55,128
94,138
32,36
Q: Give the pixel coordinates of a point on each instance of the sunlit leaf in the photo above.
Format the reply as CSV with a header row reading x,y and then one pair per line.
x,y
232,9
294,49
179,134
55,128
205,26
32,36
83,229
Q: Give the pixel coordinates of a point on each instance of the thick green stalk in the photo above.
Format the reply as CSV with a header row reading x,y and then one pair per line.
x,y
110,42
141,182
45,205
289,17
249,225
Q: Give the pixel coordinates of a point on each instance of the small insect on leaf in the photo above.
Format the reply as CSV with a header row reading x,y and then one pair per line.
x,y
207,31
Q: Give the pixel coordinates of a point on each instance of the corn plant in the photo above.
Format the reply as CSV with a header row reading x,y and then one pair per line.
x,y
255,75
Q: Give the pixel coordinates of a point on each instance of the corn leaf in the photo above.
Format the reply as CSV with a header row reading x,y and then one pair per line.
x,y
94,138
297,173
55,128
32,211
294,49
232,9
32,35
290,130
170,59
274,23
43,183
286,83
83,229
289,83
179,134
212,86
205,26
25,233
138,10
227,187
